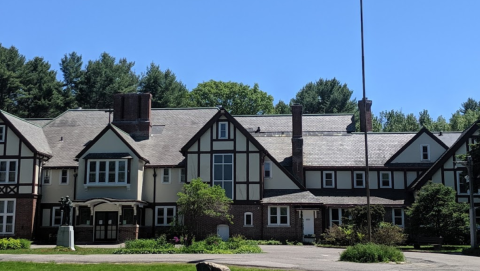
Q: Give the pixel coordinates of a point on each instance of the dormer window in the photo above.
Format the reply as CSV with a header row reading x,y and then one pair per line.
x,y
425,152
223,130
107,172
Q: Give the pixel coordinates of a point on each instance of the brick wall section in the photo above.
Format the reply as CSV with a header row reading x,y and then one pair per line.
x,y
46,235
24,217
127,233
282,233
83,234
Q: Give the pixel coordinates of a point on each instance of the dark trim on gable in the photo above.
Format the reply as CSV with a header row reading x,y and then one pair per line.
x,y
423,178
410,142
102,133
8,123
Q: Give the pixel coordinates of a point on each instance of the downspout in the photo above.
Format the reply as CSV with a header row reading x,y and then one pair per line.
x,y
154,200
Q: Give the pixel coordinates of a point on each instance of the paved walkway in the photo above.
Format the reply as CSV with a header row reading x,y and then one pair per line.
x,y
281,257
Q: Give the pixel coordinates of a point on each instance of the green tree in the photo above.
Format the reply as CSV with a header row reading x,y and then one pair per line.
x,y
71,67
40,93
441,124
198,200
460,122
282,108
425,120
411,123
165,89
237,98
470,104
358,216
435,212
103,78
326,96
11,65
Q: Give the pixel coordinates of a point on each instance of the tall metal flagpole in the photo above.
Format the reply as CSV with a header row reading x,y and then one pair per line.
x,y
367,179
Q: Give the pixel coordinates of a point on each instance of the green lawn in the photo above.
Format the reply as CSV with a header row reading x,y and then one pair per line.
x,y
23,266
445,249
60,250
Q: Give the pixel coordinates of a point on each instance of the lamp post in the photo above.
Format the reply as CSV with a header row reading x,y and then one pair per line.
x,y
473,223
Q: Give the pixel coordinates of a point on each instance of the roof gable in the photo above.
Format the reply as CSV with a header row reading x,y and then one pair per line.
x,y
423,178
222,113
122,136
29,133
410,152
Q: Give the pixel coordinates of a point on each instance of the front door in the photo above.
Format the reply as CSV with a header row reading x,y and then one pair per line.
x,y
106,224
308,222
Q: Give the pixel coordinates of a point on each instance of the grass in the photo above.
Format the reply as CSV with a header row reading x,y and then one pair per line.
x,y
445,249
371,253
27,266
61,250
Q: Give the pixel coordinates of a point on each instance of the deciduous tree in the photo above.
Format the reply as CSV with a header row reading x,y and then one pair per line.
x,y
282,108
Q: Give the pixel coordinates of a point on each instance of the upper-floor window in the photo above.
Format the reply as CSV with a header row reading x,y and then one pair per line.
x,y
7,216
8,171
267,169
166,175
182,175
248,219
398,217
64,176
165,215
46,176
2,133
279,215
359,179
425,151
463,186
107,171
223,130
223,172
385,180
328,179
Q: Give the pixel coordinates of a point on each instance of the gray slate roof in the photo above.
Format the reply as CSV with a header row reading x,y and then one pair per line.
x,y
32,133
448,138
339,150
351,201
310,123
287,196
69,133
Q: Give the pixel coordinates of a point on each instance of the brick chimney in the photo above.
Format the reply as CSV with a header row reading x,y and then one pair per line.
x,y
132,114
365,114
297,142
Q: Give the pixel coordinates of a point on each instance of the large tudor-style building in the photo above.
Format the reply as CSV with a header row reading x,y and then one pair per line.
x,y
289,176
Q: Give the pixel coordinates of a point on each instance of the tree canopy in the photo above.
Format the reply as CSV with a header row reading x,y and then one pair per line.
x,y
435,212
326,96
236,98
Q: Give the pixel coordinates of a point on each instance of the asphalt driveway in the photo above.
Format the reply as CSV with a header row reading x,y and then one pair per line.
x,y
281,257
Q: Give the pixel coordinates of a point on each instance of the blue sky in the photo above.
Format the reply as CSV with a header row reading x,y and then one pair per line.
x,y
418,54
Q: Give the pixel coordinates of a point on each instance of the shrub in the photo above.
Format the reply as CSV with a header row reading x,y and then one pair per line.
x,y
388,234
25,244
268,242
471,251
371,253
341,236
159,243
11,243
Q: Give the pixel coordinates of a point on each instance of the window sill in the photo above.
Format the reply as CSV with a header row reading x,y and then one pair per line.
x,y
248,226
86,186
278,226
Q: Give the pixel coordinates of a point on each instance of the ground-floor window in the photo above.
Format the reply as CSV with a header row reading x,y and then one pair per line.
x,y
7,216
398,217
248,219
336,215
56,216
128,216
84,216
279,215
165,215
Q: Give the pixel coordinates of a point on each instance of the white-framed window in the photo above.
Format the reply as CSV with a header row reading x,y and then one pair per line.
x,y
7,216
328,179
164,215
463,187
107,171
398,217
425,152
46,176
183,176
385,179
166,175
336,215
56,216
248,219
223,130
223,172
8,171
267,169
278,216
359,179
2,133
64,177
